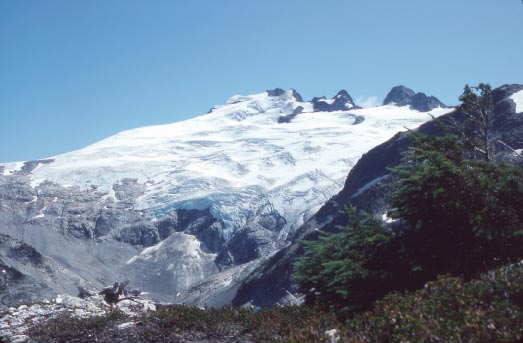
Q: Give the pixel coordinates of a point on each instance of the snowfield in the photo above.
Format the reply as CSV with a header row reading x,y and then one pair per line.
x,y
238,158
518,99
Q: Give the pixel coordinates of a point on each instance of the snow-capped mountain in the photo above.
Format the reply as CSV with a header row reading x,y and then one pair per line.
x,y
188,200
238,158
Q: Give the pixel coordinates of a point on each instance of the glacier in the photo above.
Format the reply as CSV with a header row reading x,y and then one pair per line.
x,y
186,211
237,158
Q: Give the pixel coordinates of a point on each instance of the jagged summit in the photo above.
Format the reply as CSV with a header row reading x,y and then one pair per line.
x,y
340,102
288,101
279,92
400,96
403,96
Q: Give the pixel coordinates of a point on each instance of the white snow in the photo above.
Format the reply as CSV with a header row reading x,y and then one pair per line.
x,y
10,168
236,158
518,99
387,219
328,101
367,186
172,247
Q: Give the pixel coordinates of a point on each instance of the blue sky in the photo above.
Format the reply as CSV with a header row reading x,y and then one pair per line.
x,y
75,72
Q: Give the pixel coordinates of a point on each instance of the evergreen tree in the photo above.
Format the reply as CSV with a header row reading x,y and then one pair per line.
x,y
463,215
476,103
350,269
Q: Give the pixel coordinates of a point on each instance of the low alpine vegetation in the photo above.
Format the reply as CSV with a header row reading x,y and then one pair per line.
x,y
485,309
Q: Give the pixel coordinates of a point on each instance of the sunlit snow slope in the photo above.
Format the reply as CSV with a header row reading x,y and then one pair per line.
x,y
238,157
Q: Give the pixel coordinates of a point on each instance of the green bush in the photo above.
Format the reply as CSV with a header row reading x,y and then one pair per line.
x,y
348,270
488,309
463,215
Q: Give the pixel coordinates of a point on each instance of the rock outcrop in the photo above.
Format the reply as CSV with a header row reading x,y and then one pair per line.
x,y
340,102
17,321
403,96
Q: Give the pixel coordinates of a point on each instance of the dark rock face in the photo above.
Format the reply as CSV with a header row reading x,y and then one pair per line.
x,y
424,103
199,223
280,92
403,96
256,239
270,283
399,95
289,117
22,269
504,107
296,95
275,92
340,102
31,165
364,188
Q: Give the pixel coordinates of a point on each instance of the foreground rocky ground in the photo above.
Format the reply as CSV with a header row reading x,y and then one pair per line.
x,y
71,319
16,322
486,309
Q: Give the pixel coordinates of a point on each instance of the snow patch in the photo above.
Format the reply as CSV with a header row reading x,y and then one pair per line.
x,y
368,185
328,101
387,219
518,99
12,167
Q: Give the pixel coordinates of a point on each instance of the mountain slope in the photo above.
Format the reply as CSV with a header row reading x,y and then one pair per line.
x,y
239,179
271,282
236,158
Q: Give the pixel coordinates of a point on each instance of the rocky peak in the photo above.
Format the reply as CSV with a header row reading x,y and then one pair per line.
x,y
275,92
296,95
340,102
424,103
503,98
279,92
403,96
400,96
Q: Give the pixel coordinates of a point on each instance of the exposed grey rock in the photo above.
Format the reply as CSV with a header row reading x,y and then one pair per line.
x,y
66,222
24,272
219,289
269,283
200,223
275,92
127,190
399,95
172,266
289,117
403,96
296,95
340,102
257,238
424,103
16,322
31,165
279,92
